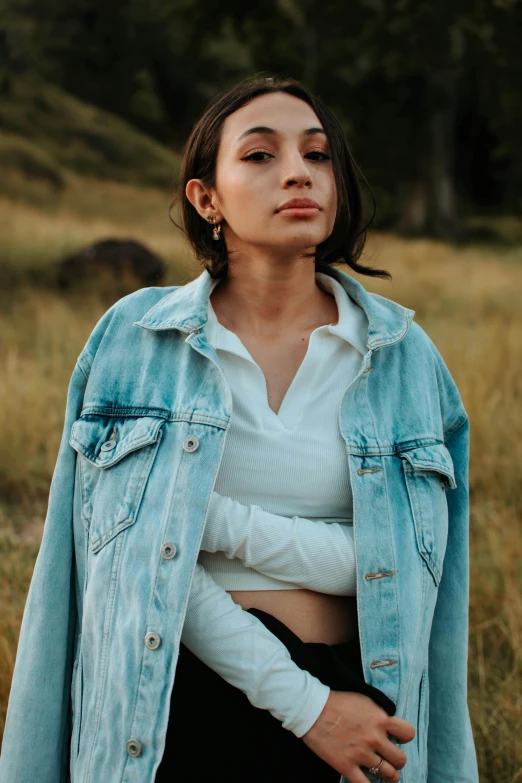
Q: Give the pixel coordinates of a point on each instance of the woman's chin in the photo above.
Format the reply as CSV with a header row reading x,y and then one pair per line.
x,y
300,238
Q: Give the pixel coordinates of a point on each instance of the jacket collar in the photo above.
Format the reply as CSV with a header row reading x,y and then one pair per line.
x,y
186,308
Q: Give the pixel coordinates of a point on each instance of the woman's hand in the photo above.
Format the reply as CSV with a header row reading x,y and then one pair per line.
x,y
352,731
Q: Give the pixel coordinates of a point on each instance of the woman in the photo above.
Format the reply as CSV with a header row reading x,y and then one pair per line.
x,y
255,557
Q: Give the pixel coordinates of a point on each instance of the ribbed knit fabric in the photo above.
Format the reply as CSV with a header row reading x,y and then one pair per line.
x,y
292,463
305,553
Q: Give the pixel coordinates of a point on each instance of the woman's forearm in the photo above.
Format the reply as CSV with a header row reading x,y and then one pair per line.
x,y
316,555
237,645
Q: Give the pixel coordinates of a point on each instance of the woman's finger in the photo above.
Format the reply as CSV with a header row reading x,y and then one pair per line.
x,y
355,776
400,729
391,753
386,771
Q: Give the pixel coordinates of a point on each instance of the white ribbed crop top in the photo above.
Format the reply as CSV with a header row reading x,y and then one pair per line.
x,y
281,512
293,463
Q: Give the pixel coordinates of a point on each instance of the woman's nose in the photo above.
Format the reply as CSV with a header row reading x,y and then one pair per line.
x,y
297,171
298,179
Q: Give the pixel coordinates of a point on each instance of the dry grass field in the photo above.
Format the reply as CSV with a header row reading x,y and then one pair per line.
x,y
467,299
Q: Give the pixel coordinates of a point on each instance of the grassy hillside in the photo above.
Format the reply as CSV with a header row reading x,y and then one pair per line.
x,y
46,135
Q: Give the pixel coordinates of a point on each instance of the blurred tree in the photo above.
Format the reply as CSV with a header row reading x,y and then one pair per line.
x,y
410,80
428,92
154,62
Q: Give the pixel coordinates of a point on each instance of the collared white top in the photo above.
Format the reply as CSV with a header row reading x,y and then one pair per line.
x,y
294,462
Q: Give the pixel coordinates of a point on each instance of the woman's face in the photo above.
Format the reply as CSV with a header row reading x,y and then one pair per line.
x,y
271,151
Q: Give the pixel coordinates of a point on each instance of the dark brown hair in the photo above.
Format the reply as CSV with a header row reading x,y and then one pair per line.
x,y
346,242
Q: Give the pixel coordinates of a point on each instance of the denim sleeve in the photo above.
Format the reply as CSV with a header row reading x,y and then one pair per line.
x,y
37,731
310,553
451,749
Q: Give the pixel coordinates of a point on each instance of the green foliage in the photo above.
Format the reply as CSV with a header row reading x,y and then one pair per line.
x,y
46,132
22,155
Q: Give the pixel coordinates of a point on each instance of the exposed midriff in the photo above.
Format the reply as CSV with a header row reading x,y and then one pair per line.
x,y
314,617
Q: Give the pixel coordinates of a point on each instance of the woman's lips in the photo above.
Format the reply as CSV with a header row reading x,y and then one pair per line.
x,y
299,211
300,207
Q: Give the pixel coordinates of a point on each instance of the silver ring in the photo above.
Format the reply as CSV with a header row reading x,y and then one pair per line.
x,y
375,770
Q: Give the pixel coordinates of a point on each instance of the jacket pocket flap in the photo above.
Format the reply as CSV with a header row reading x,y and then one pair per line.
x,y
434,457
105,440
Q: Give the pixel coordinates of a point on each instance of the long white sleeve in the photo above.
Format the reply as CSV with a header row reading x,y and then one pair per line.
x,y
313,554
237,645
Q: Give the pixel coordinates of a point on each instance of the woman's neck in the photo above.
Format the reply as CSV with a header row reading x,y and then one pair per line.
x,y
263,299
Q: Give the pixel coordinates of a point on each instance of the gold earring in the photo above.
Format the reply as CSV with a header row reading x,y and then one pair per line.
x,y
216,233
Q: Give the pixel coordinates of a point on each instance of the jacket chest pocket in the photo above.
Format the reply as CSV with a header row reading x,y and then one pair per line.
x,y
115,458
429,473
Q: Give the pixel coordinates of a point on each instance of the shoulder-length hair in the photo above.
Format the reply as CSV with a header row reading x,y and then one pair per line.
x,y
346,242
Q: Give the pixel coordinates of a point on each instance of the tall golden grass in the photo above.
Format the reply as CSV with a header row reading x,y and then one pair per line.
x,y
89,210
467,299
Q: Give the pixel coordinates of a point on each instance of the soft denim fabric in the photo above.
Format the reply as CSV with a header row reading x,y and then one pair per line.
x,y
101,628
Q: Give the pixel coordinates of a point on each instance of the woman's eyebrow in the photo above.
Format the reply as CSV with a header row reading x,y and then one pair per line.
x,y
264,129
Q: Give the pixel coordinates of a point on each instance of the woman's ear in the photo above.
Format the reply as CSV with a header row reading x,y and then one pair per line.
x,y
201,199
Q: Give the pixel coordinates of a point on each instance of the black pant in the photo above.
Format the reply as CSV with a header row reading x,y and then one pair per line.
x,y
214,732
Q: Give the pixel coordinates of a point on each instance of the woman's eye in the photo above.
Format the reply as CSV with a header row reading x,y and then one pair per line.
x,y
256,160
317,152
255,156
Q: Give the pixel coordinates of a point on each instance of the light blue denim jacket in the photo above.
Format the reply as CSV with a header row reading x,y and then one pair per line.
x,y
90,694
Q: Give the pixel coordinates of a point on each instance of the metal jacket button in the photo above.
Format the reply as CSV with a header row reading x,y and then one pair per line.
x,y
168,550
379,574
190,443
133,747
383,662
152,640
108,445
